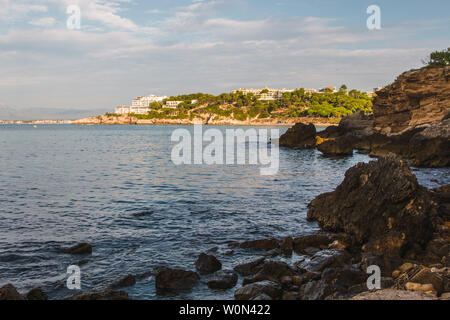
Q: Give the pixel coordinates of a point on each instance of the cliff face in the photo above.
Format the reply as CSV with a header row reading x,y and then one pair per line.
x,y
417,97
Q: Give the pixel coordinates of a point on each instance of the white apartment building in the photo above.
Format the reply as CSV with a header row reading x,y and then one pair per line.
x,y
172,104
268,95
132,109
146,100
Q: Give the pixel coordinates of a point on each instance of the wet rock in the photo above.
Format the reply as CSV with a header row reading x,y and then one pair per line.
x,y
260,245
269,288
290,296
341,146
376,199
36,294
82,248
262,297
287,245
224,279
102,295
143,213
338,245
299,136
206,264
391,294
173,280
310,251
126,281
323,259
9,292
271,271
310,241
250,268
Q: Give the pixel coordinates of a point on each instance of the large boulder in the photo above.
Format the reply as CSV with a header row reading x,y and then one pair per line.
x,y
323,259
9,292
36,294
269,288
173,280
207,264
272,271
311,241
341,146
378,201
299,136
250,268
223,279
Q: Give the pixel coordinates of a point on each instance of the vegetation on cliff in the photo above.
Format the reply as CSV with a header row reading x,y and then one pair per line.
x,y
243,107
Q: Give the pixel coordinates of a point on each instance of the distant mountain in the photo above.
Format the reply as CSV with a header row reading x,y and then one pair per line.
x,y
8,113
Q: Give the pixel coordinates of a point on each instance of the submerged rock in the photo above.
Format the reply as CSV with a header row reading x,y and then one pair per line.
x,y
300,136
173,280
207,264
82,248
126,281
224,279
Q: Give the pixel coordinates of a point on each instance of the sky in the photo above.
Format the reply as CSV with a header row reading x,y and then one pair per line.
x,y
129,48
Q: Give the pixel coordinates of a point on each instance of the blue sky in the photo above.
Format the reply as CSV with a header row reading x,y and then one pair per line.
x,y
127,48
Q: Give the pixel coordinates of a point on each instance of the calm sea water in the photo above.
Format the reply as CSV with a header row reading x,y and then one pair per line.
x,y
61,185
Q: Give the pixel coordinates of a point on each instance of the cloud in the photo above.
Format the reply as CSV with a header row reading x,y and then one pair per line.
x,y
11,10
43,22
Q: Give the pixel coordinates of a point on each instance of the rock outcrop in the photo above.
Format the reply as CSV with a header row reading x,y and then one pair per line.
x,y
379,204
416,98
299,136
9,292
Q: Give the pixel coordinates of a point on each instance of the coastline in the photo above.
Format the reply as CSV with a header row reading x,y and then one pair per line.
x,y
125,120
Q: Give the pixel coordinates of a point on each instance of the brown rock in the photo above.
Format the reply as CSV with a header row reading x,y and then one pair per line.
x,y
260,245
174,280
224,279
269,288
207,264
391,294
82,248
417,97
287,245
36,294
9,292
250,268
300,136
341,146
377,200
315,240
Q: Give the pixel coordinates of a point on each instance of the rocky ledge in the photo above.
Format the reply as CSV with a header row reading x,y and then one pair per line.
x,y
410,118
378,216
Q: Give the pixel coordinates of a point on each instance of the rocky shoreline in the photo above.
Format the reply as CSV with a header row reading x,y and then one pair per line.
x,y
379,215
129,120
411,118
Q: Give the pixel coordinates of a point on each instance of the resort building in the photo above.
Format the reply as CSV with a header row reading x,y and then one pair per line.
x,y
132,109
146,100
266,94
172,104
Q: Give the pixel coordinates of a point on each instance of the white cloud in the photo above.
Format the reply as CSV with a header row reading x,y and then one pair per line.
x,y
43,22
